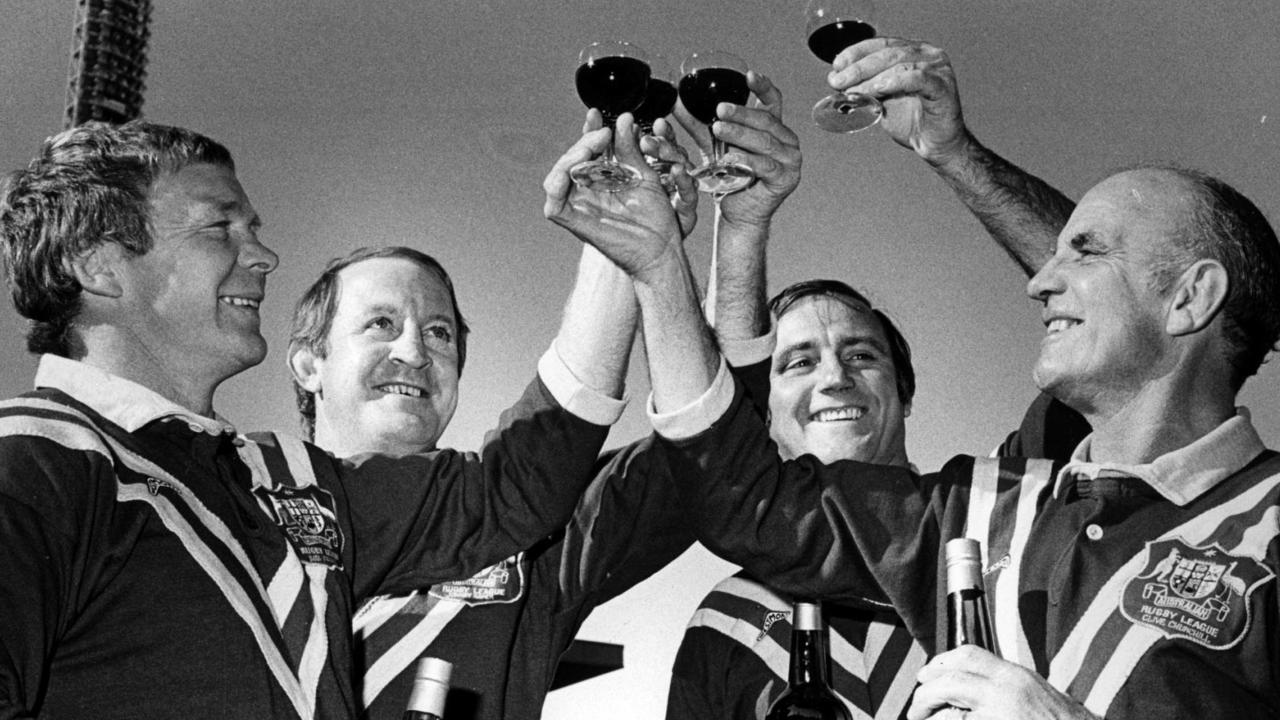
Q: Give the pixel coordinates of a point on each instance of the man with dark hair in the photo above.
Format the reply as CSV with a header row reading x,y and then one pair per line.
x,y
840,385
156,562
834,362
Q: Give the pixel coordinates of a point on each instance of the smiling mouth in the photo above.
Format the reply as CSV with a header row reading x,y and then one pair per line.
x,y
844,414
1057,325
236,301
402,389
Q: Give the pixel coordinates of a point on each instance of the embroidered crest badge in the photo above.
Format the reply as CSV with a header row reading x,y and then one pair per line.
x,y
496,584
307,516
1199,594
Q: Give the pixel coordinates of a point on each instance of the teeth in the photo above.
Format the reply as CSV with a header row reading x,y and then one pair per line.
x,y
847,413
239,301
1060,324
398,389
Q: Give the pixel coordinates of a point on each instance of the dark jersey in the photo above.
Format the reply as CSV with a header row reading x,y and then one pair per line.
x,y
1134,601
505,628
179,571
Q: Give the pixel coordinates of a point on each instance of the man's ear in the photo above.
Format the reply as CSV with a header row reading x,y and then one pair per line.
x,y
1198,296
305,367
97,269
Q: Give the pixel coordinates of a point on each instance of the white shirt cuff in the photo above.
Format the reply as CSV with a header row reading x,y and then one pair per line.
x,y
697,416
741,353
590,405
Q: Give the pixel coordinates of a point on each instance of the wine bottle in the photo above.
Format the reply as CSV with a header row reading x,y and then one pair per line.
x,y
968,622
430,688
807,695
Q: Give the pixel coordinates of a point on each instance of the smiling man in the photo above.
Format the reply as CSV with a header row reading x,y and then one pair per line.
x,y
1162,298
156,562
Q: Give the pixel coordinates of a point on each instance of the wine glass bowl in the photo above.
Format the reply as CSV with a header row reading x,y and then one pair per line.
x,y
612,77
831,26
659,101
708,79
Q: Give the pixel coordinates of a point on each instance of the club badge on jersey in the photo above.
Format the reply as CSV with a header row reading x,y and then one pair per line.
x,y
1199,594
496,584
307,516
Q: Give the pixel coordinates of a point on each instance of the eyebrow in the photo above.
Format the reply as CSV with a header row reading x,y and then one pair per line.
x,y
389,309
807,345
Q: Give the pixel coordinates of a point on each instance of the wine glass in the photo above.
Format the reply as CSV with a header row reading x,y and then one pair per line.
x,y
710,78
611,77
659,101
832,26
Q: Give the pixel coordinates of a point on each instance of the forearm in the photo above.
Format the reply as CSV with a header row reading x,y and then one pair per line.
x,y
599,323
740,301
1022,212
682,356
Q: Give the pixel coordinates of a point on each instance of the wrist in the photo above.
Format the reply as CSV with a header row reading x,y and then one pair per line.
x,y
958,156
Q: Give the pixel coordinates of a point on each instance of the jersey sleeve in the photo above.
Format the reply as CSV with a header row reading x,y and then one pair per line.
x,y
855,532
627,526
46,514
445,515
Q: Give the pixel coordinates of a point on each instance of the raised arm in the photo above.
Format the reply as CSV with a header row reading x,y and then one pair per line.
x,y
917,84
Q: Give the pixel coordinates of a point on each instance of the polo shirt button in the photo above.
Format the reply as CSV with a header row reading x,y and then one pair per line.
x,y
1093,532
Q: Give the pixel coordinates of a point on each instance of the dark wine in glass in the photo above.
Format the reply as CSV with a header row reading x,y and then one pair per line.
x,y
612,85
708,80
612,78
832,26
659,101
829,40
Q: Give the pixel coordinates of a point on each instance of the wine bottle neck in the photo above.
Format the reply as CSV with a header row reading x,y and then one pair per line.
x,y
808,658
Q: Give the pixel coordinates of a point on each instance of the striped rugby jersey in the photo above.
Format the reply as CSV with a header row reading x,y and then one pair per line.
x,y
735,657
1152,593
155,564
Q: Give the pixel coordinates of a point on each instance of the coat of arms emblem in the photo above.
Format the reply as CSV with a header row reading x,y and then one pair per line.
x,y
1200,594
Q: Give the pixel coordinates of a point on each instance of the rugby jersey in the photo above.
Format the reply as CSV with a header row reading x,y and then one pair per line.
x,y
505,628
735,657
154,563
1138,591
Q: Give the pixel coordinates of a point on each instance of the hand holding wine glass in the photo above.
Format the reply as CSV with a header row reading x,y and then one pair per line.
x,y
612,77
633,228
708,79
918,85
832,26
766,145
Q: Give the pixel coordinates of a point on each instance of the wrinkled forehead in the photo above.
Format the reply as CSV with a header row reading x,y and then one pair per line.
x,y
393,284
1133,202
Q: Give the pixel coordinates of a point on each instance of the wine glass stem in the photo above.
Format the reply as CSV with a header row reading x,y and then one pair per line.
x,y
612,124
718,149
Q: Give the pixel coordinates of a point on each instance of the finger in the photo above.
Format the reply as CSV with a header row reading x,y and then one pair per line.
x,y
757,119
593,121
626,147
957,689
557,183
881,66
768,96
856,52
686,200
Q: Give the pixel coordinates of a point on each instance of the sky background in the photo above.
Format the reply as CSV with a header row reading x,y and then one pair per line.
x,y
431,123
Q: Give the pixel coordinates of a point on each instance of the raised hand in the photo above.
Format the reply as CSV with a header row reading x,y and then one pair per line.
x,y
758,138
917,85
634,228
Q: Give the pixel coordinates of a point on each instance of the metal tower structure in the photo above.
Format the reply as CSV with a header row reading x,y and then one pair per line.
x,y
108,61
